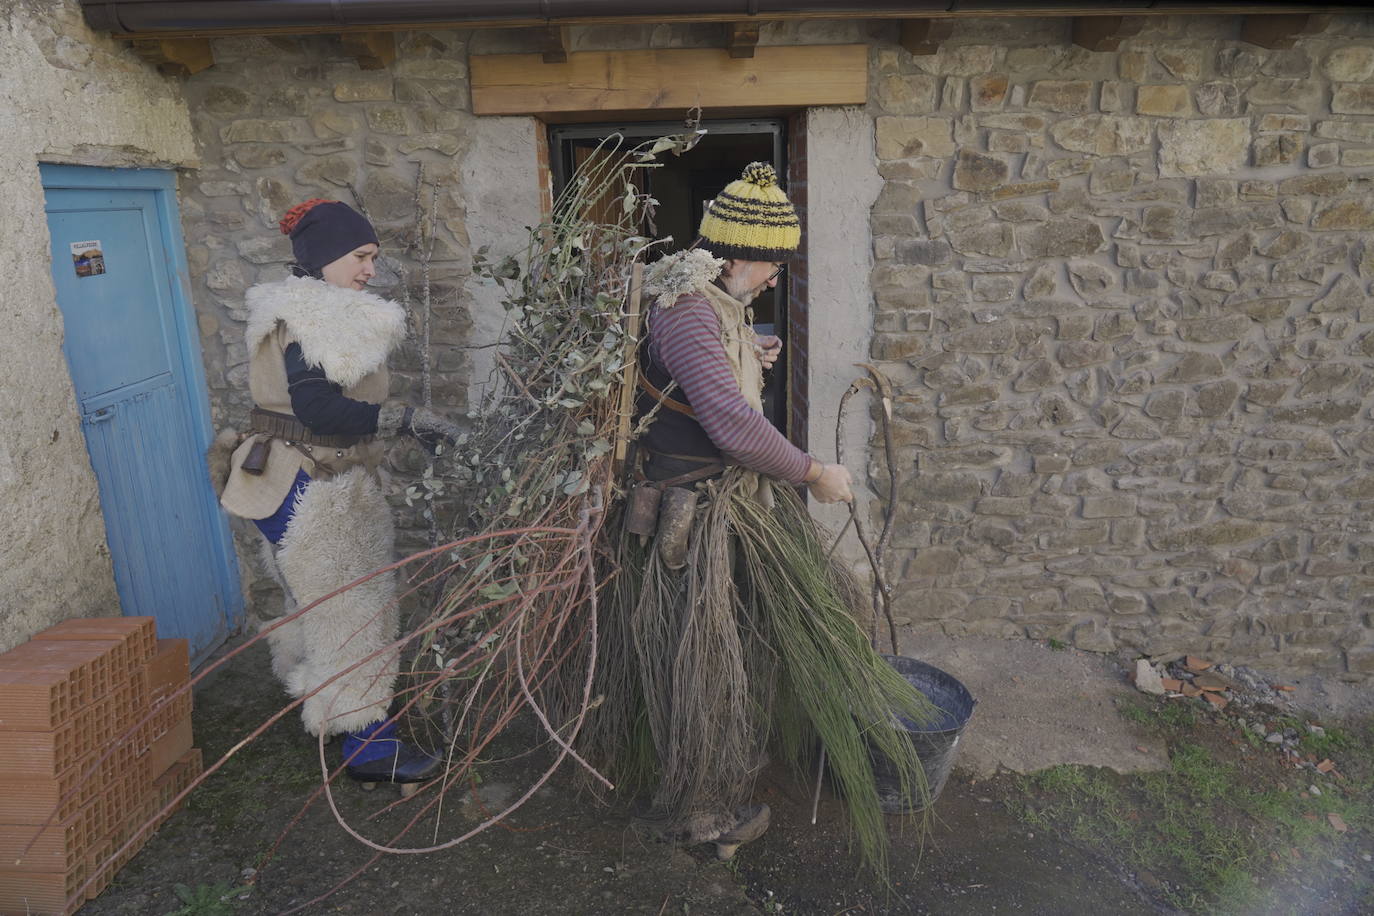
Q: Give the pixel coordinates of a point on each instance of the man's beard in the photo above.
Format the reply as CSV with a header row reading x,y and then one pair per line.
x,y
740,292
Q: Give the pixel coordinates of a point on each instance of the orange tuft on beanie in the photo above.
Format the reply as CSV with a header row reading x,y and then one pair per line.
x,y
294,215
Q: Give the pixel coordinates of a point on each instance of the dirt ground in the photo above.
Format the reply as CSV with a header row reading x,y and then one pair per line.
x,y
563,853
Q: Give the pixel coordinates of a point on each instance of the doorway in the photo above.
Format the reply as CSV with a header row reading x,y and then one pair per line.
x,y
683,186
134,355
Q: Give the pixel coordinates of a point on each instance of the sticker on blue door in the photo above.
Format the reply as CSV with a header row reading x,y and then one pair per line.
x,y
129,342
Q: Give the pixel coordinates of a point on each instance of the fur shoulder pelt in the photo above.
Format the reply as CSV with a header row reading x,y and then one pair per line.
x,y
346,332
683,272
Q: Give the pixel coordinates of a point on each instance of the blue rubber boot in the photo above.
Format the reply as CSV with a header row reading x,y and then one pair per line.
x,y
375,755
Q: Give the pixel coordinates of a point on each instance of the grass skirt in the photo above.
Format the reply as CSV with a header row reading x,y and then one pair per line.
x,y
752,649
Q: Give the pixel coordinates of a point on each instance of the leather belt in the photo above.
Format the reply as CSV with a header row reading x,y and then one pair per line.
x,y
649,389
284,426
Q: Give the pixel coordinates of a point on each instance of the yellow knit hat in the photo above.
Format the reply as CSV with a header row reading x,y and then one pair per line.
x,y
752,220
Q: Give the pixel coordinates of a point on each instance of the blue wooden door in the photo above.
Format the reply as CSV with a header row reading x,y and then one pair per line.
x,y
134,361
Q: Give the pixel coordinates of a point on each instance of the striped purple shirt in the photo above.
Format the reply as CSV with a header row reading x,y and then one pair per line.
x,y
686,340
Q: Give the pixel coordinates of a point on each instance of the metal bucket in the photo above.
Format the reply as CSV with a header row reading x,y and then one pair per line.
x,y
936,743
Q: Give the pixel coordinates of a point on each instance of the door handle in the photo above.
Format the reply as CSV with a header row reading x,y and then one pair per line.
x,y
103,415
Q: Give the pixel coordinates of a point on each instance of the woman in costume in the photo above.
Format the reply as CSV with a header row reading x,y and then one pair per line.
x,y
308,477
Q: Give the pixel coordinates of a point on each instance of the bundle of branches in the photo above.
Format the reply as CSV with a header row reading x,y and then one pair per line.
x,y
516,625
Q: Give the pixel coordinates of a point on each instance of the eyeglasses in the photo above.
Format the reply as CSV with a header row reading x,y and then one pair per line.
x,y
775,274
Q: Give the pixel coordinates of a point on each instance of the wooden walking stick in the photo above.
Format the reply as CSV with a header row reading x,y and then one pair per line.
x,y
630,371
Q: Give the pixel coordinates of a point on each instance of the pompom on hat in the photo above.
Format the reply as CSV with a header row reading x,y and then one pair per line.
x,y
752,219
322,231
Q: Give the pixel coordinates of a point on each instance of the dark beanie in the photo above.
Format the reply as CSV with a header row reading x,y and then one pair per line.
x,y
322,231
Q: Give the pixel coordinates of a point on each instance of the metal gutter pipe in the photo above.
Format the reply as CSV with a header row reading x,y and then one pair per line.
x,y
199,17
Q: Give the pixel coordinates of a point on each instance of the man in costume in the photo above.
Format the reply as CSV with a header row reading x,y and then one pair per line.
x,y
307,476
707,674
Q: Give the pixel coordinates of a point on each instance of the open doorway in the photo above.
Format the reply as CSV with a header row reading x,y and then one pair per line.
x,y
683,186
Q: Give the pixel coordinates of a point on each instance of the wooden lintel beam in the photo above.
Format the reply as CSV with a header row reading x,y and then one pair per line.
x,y
553,44
741,38
176,56
670,79
1105,33
923,36
372,50
1282,31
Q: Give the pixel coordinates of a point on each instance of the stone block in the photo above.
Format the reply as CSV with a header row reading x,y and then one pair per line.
x,y
942,487
911,93
1213,146
387,119
364,87
986,338
1021,211
977,172
1215,399
933,561
1217,99
1353,64
259,156
928,604
923,251
329,170
987,92
1215,330
1238,61
1103,135
908,137
1323,155
992,239
1325,184
1352,98
1061,238
1110,506
1163,101
1353,131
1066,96
1345,295
287,100
1276,149
1357,158
226,101
994,288
443,144
262,130
1214,534
897,346
1005,141
1194,366
1291,93
1079,354
1345,214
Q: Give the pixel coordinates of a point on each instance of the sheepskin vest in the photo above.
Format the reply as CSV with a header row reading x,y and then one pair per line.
x,y
348,334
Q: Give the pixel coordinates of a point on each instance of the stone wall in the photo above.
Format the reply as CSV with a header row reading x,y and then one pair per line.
x,y
1122,295
67,96
284,119
1125,297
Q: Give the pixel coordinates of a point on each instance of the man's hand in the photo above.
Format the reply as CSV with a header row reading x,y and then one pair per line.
x,y
767,347
833,485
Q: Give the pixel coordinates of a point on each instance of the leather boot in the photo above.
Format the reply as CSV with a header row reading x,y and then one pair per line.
x,y
753,821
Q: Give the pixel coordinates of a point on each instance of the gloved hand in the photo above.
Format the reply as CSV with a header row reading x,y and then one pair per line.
x,y
430,428
421,422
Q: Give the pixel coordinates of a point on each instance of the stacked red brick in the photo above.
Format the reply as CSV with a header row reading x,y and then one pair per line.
x,y
74,756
